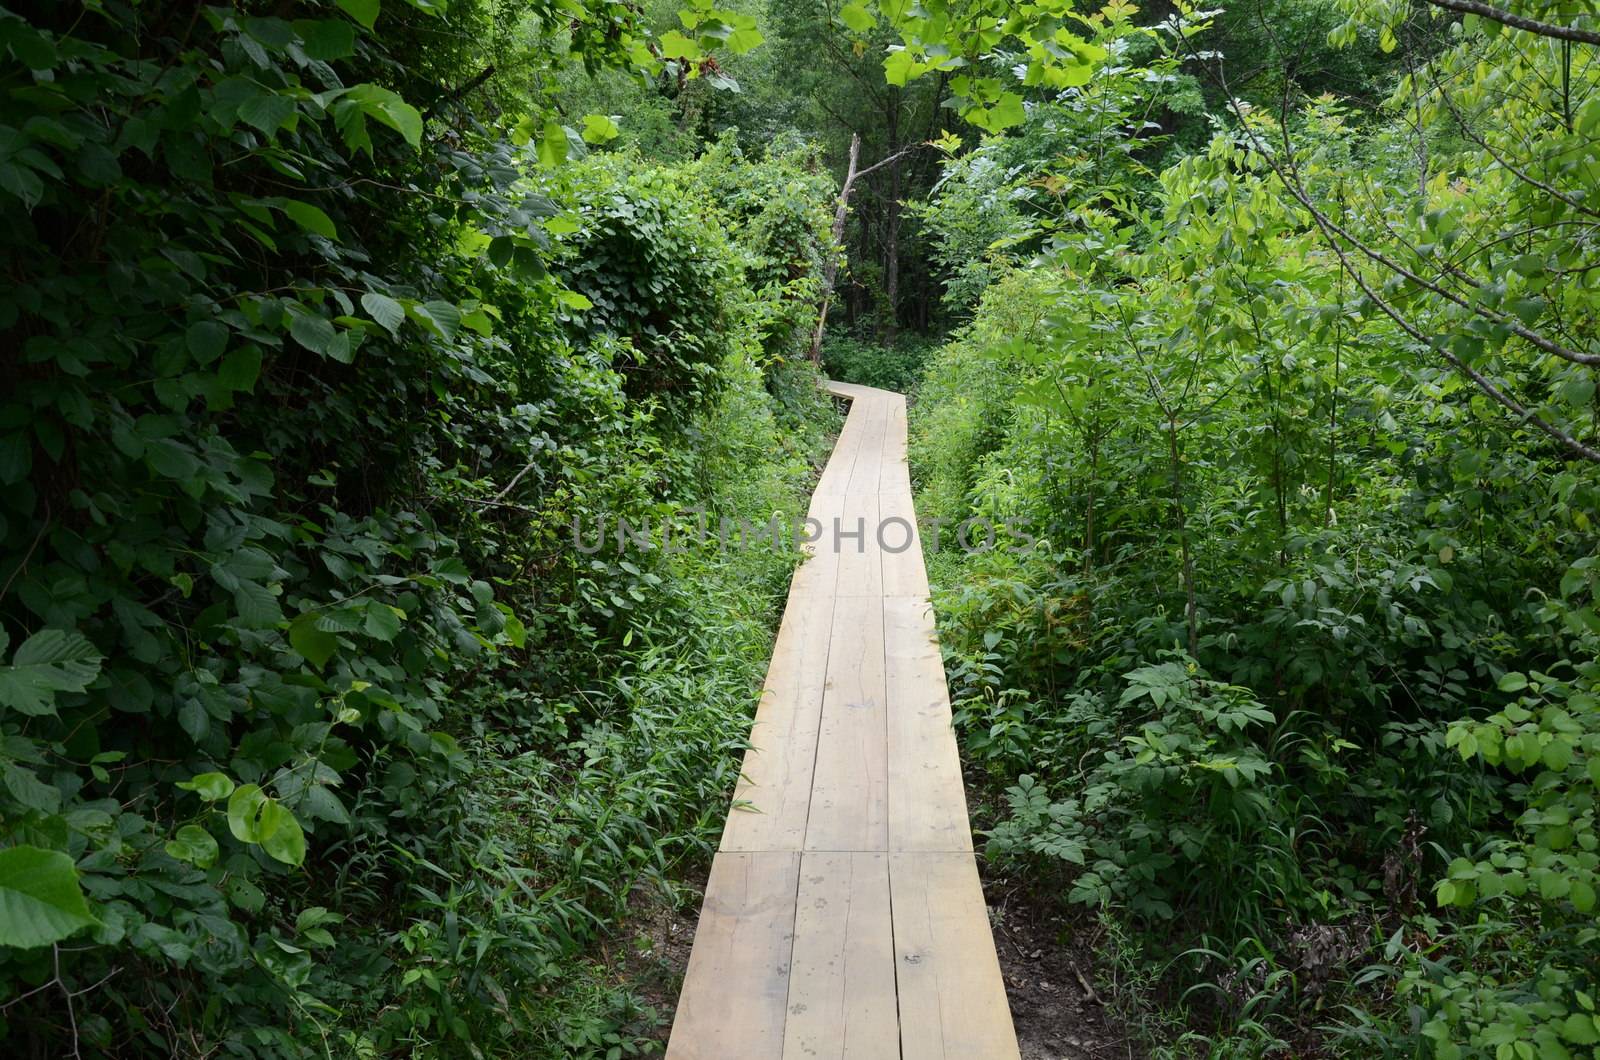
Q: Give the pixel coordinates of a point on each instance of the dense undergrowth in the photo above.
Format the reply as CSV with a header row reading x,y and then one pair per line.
x,y
340,716
1296,693
893,367
321,735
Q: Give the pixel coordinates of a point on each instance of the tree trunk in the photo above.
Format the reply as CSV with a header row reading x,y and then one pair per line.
x,y
830,271
1181,524
891,241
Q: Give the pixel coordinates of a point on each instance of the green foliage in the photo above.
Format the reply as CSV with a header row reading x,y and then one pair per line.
x,y
40,900
778,206
1162,817
1297,682
319,735
1088,151
646,262
953,39
1544,874
896,367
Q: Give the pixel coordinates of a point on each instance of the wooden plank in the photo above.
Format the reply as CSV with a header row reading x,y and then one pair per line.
x,y
849,786
854,537
927,806
836,473
850,390
737,983
894,472
952,999
776,778
835,478
842,1002
819,572
874,413
904,573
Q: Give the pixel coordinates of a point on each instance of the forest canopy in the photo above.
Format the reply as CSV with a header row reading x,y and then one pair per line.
x,y
328,321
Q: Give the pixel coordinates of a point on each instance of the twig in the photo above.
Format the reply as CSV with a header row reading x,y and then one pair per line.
x,y
1088,991
453,97
1522,22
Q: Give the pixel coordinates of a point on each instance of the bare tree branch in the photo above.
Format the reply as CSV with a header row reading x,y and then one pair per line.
x,y
1330,230
830,271
1529,25
1470,133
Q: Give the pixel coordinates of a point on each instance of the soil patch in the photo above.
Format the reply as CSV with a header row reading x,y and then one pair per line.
x,y
1049,974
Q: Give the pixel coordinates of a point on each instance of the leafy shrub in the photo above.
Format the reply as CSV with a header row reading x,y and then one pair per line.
x,y
646,258
778,206
895,367
1300,664
319,735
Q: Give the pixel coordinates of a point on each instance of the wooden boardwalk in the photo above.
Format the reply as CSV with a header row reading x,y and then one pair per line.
x,y
843,916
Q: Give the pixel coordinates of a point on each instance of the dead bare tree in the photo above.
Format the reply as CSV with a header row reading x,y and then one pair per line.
x,y
841,213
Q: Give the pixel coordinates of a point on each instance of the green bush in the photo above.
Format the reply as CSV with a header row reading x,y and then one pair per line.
x,y
319,735
647,258
896,367
1297,683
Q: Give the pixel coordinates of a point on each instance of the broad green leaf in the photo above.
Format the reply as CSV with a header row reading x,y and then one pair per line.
x,y
327,39
675,45
1580,1029
899,67
23,183
515,631
240,369
40,899
744,40
553,145
599,129
442,318
285,842
315,645
363,11
194,720
49,662
267,112
404,119
245,814
857,18
245,895
309,217
388,108
26,787
1006,112
212,787
194,845
206,339
385,310
382,621
257,605
312,330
